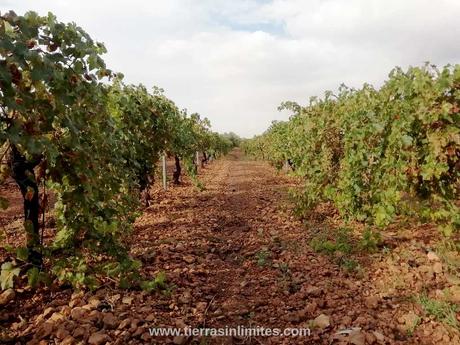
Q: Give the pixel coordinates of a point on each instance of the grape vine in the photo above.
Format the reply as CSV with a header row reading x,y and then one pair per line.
x,y
376,154
72,124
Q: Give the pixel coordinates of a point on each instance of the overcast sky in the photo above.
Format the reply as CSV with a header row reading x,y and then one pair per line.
x,y
235,61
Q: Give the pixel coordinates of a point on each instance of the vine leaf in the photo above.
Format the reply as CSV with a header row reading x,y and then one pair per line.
x,y
8,272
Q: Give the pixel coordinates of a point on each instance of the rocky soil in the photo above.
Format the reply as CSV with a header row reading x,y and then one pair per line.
x,y
235,255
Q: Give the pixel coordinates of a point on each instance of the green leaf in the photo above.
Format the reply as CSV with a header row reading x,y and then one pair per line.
x,y
22,253
8,272
33,277
407,140
8,29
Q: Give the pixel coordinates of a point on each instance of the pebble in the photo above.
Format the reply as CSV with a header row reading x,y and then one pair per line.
x,y
322,321
7,296
371,302
98,338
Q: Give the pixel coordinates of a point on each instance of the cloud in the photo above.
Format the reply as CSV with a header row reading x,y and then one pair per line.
x,y
236,61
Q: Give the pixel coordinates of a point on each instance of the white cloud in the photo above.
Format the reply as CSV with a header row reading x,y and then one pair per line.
x,y
236,61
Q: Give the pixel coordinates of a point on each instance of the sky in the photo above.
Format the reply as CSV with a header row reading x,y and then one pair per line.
x,y
235,61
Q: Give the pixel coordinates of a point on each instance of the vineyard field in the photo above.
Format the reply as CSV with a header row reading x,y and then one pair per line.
x,y
234,254
127,219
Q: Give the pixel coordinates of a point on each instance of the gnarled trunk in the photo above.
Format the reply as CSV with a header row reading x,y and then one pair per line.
x,y
177,171
204,160
23,173
144,186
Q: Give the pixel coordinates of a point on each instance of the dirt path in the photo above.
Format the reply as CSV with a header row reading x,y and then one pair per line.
x,y
240,258
234,255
